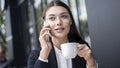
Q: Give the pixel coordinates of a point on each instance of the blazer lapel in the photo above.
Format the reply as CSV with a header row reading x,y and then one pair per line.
x,y
73,64
52,58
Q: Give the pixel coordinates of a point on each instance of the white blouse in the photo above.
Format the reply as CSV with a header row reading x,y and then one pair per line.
x,y
61,60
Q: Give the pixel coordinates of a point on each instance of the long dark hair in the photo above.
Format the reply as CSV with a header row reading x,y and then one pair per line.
x,y
73,34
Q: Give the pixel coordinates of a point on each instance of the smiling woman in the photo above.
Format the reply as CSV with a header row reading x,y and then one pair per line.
x,y
62,30
60,18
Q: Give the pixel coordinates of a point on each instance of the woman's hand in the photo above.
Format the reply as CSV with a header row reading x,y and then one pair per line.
x,y
85,52
45,45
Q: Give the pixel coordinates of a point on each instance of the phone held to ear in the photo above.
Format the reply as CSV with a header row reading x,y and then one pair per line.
x,y
47,32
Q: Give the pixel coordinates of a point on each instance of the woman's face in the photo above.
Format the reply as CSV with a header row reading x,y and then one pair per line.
x,y
59,20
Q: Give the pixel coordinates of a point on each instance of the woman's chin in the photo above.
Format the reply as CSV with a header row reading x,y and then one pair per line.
x,y
60,36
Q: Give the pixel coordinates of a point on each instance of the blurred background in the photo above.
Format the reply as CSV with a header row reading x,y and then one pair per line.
x,y
20,24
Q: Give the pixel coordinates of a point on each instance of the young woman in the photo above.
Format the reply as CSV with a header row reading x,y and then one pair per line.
x,y
62,29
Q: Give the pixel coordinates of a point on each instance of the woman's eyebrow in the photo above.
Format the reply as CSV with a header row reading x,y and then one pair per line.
x,y
51,15
60,14
64,13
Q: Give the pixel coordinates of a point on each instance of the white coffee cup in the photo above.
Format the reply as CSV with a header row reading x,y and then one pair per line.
x,y
69,50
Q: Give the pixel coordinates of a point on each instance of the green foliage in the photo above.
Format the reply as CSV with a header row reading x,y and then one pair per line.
x,y
1,18
2,36
84,28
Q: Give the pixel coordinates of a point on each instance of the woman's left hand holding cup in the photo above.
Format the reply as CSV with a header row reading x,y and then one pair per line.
x,y
85,52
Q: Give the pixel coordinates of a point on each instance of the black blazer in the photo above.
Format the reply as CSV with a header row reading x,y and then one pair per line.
x,y
33,62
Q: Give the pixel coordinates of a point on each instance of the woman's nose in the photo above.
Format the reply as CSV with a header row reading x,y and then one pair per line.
x,y
59,21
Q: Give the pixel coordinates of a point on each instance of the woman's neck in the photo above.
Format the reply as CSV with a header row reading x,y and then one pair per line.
x,y
58,41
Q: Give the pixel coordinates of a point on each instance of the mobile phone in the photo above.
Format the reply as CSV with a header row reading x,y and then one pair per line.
x,y
47,36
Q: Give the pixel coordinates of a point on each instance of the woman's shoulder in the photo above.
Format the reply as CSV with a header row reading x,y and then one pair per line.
x,y
34,53
33,56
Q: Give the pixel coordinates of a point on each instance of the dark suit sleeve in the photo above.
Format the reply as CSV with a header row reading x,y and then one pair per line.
x,y
41,64
33,61
79,62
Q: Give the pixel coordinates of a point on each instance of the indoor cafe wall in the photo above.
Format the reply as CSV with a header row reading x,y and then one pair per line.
x,y
104,29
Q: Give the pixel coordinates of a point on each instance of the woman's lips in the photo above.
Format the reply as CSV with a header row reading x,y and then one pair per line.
x,y
59,30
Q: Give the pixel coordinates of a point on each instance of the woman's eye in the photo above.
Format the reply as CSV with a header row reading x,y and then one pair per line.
x,y
52,18
64,16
